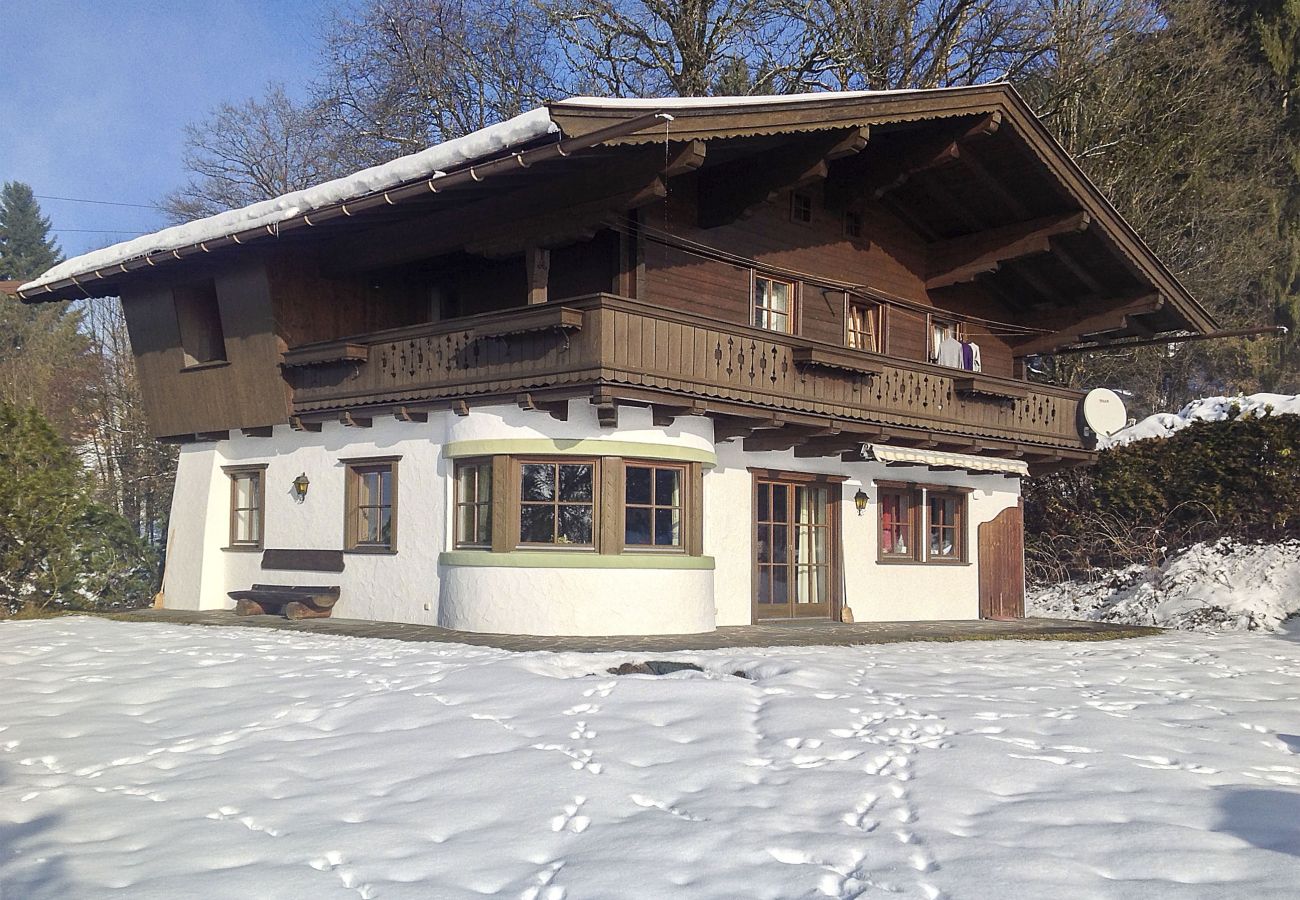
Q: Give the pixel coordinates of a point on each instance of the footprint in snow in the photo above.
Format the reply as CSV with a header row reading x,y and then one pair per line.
x,y
543,887
570,819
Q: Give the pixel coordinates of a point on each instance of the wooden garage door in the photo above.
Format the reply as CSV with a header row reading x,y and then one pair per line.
x,y
1002,565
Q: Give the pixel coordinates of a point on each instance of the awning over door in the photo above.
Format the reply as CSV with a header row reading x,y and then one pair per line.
x,y
937,459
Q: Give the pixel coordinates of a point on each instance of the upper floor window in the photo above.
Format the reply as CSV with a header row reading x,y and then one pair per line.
x,y
371,505
773,304
653,505
198,318
801,207
474,503
852,224
247,506
866,326
557,503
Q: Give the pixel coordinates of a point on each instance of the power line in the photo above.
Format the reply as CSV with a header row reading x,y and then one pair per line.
x,y
94,231
99,202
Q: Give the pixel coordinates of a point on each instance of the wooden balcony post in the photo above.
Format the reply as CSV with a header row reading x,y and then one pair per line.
x,y
537,260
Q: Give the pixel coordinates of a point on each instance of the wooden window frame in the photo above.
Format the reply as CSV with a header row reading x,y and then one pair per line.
x,y
518,502
801,207
880,332
833,484
355,468
484,541
791,314
200,331
235,473
852,224
685,508
919,524
931,320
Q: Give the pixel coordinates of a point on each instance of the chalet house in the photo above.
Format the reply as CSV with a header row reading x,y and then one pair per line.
x,y
637,366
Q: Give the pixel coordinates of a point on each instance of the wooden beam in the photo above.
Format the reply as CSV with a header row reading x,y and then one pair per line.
x,y
663,415
926,155
629,178
788,437
728,191
537,266
963,259
1109,320
556,409
460,407
736,426
404,414
351,421
263,431
297,424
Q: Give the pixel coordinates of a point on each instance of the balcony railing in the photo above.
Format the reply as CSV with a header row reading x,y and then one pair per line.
x,y
607,341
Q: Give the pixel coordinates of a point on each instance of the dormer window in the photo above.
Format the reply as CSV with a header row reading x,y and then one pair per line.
x,y
773,304
852,224
198,317
800,208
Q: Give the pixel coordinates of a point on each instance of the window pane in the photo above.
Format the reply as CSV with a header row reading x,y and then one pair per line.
x,y
465,483
764,586
668,487
779,296
538,481
780,585
764,503
484,522
242,525
537,524
779,502
667,528
255,525
780,543
576,482
483,478
465,521
368,527
637,529
385,519
575,524
386,487
638,484
243,491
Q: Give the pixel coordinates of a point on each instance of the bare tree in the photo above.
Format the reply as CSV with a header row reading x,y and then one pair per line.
x,y
252,151
404,74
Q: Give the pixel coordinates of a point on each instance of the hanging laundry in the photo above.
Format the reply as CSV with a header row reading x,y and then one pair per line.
x,y
949,353
975,364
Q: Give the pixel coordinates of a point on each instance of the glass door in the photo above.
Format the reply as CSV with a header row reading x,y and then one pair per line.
x,y
794,560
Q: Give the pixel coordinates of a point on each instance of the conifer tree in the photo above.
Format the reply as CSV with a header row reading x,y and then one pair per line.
x,y
26,248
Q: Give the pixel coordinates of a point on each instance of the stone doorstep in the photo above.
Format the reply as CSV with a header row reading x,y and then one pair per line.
x,y
771,634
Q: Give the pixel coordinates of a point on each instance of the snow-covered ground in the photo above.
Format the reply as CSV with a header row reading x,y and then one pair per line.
x,y
154,761
1215,586
1206,409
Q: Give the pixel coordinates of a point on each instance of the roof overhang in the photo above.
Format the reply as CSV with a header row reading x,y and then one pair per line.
x,y
935,459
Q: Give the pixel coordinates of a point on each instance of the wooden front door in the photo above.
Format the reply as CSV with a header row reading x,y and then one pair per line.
x,y
795,559
1002,565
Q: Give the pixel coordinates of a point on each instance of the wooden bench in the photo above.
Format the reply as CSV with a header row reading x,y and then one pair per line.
x,y
291,601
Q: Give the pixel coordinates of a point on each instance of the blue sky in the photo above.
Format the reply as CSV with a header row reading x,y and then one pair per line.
x,y
94,94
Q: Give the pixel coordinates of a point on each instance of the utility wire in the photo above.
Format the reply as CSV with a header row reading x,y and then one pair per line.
x,y
99,202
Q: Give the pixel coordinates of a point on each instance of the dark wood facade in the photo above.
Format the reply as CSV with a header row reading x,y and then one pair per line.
x,y
624,272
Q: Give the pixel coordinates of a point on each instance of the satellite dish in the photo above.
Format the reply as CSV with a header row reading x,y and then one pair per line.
x,y
1103,411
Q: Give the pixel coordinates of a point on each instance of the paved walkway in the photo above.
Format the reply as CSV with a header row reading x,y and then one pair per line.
x,y
782,634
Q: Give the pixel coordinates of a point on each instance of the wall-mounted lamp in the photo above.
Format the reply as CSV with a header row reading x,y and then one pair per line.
x,y
300,485
860,501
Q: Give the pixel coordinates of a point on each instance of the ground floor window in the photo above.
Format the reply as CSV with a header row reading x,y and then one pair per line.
x,y
909,511
601,504
370,500
247,506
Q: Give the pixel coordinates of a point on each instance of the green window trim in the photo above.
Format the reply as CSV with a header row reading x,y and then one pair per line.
x,y
568,559
579,447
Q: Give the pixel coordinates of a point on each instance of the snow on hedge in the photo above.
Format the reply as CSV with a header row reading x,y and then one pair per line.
x,y
1207,409
155,761
1217,586
424,164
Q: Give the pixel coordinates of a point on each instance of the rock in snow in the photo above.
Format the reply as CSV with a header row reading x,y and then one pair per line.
x,y
156,761
1207,409
1217,586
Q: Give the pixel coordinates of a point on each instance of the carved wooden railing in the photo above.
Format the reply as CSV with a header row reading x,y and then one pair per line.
x,y
614,341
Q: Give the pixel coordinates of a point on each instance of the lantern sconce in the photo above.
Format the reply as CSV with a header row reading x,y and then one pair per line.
x,y
300,485
860,501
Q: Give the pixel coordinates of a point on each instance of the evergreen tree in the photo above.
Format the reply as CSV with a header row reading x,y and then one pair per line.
x,y
26,248
59,549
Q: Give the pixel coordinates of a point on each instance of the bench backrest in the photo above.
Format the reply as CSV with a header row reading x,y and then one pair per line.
x,y
303,560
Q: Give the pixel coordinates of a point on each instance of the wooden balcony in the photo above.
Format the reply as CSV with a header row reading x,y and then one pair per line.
x,y
615,349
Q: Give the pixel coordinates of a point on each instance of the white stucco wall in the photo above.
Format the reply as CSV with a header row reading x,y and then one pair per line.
x,y
411,585
874,592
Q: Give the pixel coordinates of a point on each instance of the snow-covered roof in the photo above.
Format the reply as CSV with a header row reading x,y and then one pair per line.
x,y
425,164
1207,409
